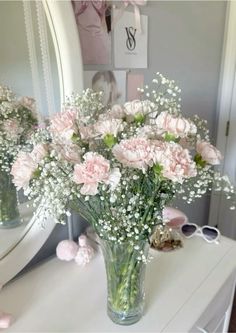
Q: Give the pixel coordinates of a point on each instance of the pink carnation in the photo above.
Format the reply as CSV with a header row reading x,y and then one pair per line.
x,y
23,169
134,153
63,124
176,162
12,129
69,152
116,112
177,126
158,149
208,152
87,132
110,126
137,107
26,164
94,170
38,153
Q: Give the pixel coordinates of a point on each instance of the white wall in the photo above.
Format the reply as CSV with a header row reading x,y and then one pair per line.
x,y
14,60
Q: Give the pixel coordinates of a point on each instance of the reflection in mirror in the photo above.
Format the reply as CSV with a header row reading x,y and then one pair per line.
x,y
28,68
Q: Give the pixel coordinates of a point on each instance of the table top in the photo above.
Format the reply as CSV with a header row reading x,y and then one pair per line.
x,y
58,296
10,237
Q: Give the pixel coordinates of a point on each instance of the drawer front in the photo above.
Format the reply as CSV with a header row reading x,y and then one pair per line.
x,y
215,326
213,318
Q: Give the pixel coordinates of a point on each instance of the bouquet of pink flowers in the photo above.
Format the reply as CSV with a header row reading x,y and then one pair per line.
x,y
120,166
17,122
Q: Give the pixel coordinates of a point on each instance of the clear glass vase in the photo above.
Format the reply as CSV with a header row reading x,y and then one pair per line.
x,y
9,212
125,279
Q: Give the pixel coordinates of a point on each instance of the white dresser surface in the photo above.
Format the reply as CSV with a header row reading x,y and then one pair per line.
x,y
62,297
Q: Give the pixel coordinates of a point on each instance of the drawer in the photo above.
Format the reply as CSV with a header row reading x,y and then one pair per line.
x,y
213,318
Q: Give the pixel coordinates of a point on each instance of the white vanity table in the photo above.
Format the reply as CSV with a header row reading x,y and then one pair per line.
x,y
189,290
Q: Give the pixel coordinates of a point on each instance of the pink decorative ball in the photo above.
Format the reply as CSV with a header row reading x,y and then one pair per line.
x,y
67,250
174,216
5,320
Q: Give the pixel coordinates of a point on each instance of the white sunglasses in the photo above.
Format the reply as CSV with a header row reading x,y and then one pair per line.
x,y
209,234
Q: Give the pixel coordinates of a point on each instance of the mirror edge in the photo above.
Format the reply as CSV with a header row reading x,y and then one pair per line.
x,y
60,16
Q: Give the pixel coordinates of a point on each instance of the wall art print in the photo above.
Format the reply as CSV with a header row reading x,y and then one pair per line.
x,y
111,83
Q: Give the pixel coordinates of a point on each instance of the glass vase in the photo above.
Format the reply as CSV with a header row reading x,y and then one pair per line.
x,y
125,271
9,212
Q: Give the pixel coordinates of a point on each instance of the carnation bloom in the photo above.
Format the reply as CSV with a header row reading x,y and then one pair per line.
x,y
39,152
116,112
158,148
110,126
26,164
137,107
176,162
87,132
134,153
94,170
63,124
208,152
12,129
177,126
149,132
23,169
69,152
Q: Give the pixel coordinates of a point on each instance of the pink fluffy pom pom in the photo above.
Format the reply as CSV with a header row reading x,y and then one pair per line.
x,y
84,255
5,320
67,250
82,240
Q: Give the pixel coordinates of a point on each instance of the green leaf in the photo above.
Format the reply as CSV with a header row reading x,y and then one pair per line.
x,y
157,168
36,173
75,138
109,140
199,161
171,137
139,118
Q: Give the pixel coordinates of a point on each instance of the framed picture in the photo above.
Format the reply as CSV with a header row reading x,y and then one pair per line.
x,y
111,83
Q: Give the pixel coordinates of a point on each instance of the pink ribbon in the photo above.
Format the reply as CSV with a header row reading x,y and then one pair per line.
x,y
137,15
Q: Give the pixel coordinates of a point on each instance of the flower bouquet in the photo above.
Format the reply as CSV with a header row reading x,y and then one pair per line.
x,y
17,123
119,167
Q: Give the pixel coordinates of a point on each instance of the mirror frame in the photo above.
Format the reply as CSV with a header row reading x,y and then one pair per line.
x,y
63,28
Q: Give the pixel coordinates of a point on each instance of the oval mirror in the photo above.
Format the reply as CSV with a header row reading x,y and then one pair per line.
x,y
40,58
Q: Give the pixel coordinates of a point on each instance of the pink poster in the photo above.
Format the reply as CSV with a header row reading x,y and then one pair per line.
x,y
134,81
93,20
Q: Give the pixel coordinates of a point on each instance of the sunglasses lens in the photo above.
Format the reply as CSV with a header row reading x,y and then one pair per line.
x,y
188,229
210,233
